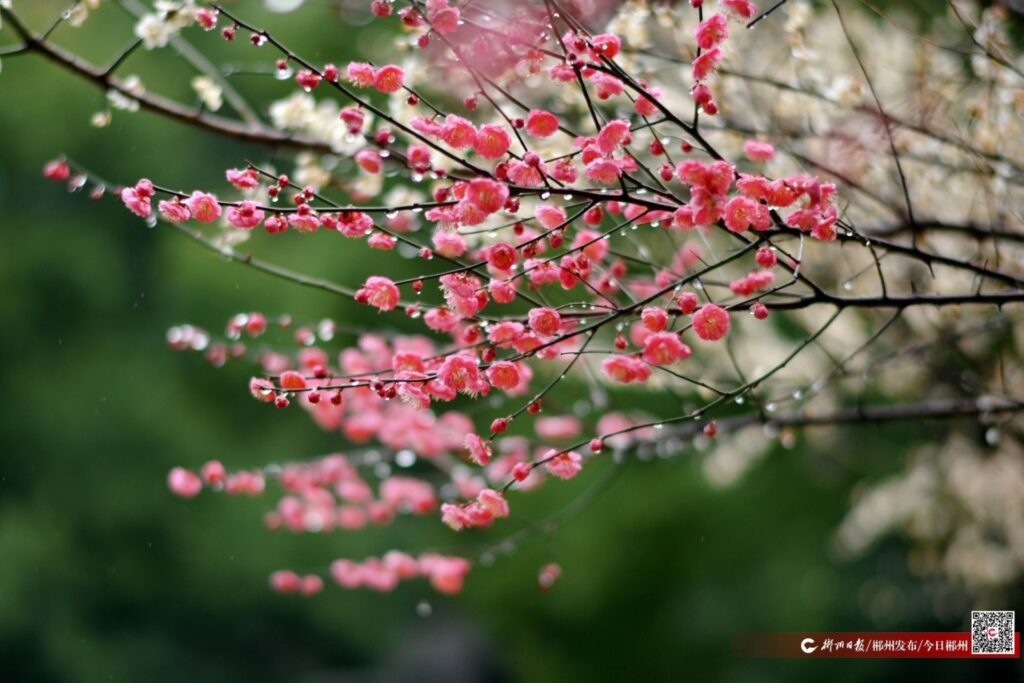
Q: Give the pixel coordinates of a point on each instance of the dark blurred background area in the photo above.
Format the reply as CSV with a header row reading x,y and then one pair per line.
x,y
105,576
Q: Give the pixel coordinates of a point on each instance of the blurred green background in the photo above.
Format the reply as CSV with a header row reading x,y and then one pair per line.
x,y
104,576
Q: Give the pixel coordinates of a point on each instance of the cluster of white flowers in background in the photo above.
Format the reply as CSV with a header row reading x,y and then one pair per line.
x,y
301,112
960,505
156,29
209,92
79,12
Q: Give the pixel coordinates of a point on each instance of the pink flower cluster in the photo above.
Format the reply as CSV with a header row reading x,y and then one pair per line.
x,y
709,184
323,495
136,198
387,79
446,573
188,484
626,369
286,581
818,214
488,506
328,494
586,53
379,292
754,281
491,140
563,464
511,211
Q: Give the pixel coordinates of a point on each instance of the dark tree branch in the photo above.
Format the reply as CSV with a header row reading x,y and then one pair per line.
x,y
172,109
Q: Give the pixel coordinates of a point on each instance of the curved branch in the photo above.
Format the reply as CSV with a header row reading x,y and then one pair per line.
x,y
172,109
937,409
888,301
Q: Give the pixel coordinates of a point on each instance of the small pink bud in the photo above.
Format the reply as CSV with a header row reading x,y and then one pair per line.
x,y
766,257
308,80
654,318
184,483
207,18
521,471
58,169
213,472
549,573
285,581
311,584
687,302
292,380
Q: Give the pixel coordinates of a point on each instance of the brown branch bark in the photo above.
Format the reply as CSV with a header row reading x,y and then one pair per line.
x,y
172,109
935,409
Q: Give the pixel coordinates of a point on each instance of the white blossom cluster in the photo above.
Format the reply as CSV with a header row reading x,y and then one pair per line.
x,y
958,130
157,28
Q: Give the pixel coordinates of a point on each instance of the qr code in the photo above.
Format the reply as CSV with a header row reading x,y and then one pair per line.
x,y
992,633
